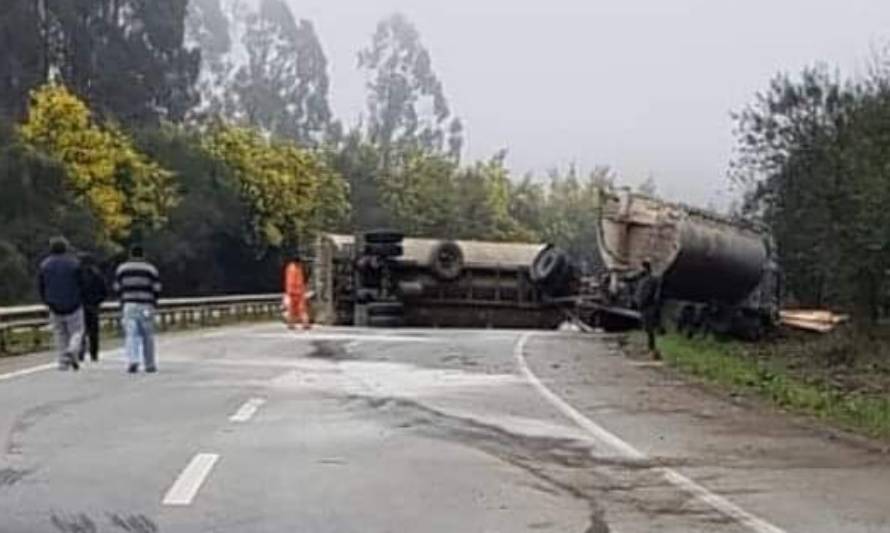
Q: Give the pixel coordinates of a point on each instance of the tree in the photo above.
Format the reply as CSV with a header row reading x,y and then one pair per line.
x,y
811,158
103,170
284,86
290,193
126,58
418,190
406,101
281,84
359,162
483,190
22,57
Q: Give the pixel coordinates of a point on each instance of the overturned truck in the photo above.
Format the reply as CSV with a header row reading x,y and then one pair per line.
x,y
381,279
717,273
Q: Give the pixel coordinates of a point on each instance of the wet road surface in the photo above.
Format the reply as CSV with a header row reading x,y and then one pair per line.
x,y
340,430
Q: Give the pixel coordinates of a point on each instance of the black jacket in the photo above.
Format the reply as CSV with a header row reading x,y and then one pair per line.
x,y
61,283
95,290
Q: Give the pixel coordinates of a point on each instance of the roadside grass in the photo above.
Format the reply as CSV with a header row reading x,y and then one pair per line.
x,y
765,373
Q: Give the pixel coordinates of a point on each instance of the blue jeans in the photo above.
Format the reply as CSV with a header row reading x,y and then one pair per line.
x,y
139,327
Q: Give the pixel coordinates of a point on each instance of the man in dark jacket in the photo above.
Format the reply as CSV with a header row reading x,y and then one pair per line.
x,y
94,293
61,289
648,300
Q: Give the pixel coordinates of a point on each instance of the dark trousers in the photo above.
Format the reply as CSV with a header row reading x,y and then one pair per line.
x,y
650,326
91,339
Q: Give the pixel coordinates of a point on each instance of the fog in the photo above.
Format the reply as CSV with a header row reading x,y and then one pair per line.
x,y
644,86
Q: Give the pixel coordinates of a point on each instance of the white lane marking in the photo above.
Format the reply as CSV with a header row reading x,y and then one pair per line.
x,y
621,447
247,410
190,480
27,371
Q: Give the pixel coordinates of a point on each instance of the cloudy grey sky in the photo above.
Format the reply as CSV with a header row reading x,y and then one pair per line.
x,y
644,86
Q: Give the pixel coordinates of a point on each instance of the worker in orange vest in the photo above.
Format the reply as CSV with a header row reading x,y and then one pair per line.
x,y
296,297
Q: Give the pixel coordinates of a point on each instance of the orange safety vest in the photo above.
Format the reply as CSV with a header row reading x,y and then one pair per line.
x,y
294,282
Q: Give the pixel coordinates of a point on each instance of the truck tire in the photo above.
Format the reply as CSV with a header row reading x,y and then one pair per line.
x,y
549,266
447,261
383,236
387,250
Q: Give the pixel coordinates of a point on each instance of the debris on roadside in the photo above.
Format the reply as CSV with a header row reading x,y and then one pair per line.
x,y
816,320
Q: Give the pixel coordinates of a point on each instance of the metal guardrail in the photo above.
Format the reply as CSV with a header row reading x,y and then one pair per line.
x,y
31,321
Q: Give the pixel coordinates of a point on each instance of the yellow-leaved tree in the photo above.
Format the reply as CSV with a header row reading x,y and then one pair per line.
x,y
121,186
289,191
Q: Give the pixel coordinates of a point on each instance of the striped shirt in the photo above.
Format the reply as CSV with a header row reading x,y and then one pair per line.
x,y
137,281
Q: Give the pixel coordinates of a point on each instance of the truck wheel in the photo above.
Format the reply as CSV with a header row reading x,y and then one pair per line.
x,y
387,249
447,261
383,236
551,271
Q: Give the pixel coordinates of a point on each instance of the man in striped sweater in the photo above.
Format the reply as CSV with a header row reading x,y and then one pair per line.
x,y
138,286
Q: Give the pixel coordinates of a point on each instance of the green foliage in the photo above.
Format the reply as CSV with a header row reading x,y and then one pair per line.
x,y
125,57
483,193
104,171
360,162
419,192
811,154
14,273
729,366
22,65
205,247
290,192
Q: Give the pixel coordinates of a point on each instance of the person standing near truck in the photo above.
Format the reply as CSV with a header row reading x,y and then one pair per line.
x,y
138,284
295,294
60,283
648,301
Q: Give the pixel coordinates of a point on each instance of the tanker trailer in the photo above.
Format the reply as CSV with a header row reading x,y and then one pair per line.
x,y
720,271
717,272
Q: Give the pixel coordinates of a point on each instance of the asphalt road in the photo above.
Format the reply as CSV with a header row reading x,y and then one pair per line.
x,y
257,429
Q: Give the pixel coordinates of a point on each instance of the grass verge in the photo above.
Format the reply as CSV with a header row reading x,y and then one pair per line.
x,y
732,366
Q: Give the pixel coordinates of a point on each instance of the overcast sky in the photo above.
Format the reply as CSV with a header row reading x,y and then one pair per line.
x,y
644,86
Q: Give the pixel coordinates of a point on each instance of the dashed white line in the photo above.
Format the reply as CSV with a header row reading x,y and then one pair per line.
x,y
612,441
27,371
247,410
186,486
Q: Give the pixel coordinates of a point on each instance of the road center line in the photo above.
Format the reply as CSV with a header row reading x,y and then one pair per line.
x,y
27,371
190,480
247,410
619,446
